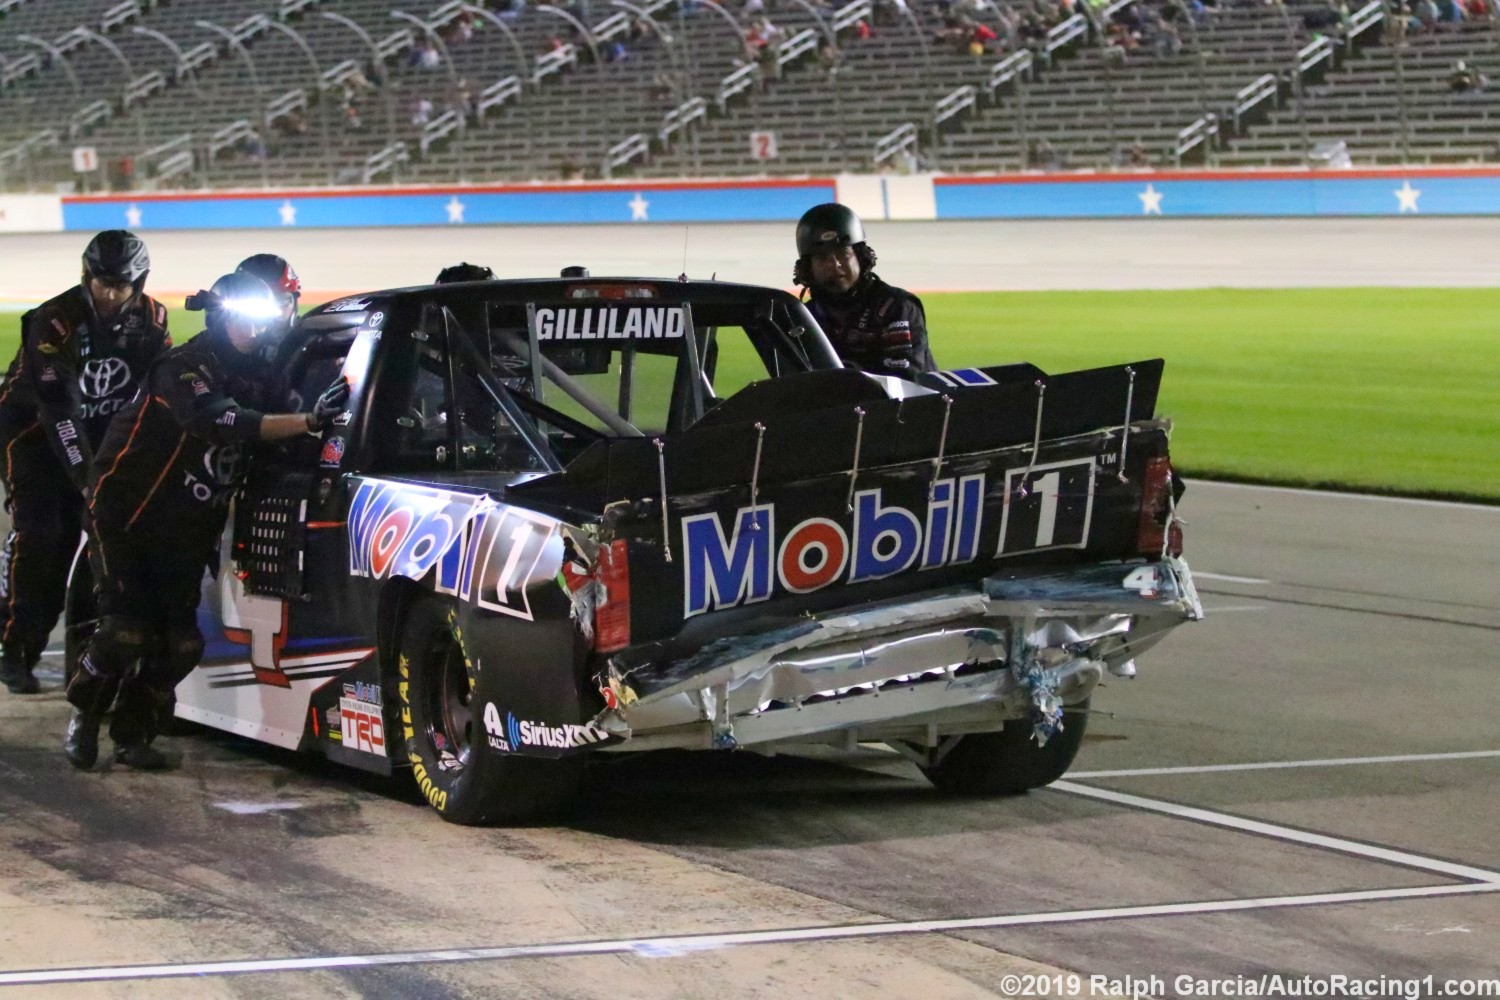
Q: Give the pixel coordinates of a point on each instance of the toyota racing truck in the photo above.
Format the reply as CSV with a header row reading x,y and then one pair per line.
x,y
585,516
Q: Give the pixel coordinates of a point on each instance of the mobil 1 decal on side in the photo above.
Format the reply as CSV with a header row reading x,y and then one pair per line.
x,y
463,544
622,322
770,550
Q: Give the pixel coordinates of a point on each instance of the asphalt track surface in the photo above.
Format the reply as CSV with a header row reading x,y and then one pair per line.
x,y
923,256
1304,783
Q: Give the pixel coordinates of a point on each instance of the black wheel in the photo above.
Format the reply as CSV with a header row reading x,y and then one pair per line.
x,y
80,614
1009,762
456,771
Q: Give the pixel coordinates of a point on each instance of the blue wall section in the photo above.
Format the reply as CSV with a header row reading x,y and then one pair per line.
x,y
726,203
1220,196
1185,194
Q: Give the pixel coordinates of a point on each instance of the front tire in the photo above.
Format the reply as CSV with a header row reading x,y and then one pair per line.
x,y
1009,762
455,770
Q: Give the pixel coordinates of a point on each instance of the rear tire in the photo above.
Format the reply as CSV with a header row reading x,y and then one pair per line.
x,y
1009,762
455,770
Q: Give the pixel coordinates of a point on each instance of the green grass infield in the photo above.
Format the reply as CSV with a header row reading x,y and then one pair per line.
x,y
1372,389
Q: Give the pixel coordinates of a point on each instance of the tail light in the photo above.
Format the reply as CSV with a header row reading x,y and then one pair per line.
x,y
612,616
1155,535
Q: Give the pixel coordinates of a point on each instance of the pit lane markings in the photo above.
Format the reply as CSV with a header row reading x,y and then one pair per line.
x,y
668,946
1201,575
1379,498
1276,765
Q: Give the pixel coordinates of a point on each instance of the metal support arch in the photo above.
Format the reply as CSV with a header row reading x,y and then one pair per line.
x,y
312,59
463,119
119,56
1297,96
377,60
182,67
1201,67
260,90
522,73
58,57
588,36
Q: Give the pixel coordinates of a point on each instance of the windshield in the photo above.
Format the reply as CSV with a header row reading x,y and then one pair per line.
x,y
526,386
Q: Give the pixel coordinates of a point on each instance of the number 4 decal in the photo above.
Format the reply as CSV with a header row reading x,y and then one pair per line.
x,y
1055,511
1143,580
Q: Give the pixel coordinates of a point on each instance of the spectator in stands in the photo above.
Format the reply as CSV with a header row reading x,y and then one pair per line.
x,y
752,9
572,169
1450,11
981,38
1136,156
463,99
1424,16
293,123
352,121
663,87
1465,79
421,111
425,56
872,325
254,146
615,51
1044,155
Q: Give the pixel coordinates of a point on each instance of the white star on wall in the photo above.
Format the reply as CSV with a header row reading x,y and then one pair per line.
x,y
133,216
1150,201
1406,197
288,213
455,210
638,206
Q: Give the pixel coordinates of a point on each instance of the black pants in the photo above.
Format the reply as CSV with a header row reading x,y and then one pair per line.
x,y
147,640
45,510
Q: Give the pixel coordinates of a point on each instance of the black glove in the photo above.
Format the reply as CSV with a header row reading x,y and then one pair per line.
x,y
328,406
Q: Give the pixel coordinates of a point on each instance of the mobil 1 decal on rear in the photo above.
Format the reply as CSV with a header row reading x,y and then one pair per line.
x,y
788,547
463,544
610,322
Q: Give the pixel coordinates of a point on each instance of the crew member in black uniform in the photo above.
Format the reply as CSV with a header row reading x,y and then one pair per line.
x,y
82,355
464,272
873,326
284,285
162,481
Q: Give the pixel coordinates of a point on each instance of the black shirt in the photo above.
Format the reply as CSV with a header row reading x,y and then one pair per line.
x,y
876,327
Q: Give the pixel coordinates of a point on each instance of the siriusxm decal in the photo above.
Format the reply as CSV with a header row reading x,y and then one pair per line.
x,y
884,539
475,549
611,323
510,734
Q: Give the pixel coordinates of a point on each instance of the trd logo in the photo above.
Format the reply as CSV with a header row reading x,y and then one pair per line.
x,y
885,540
362,726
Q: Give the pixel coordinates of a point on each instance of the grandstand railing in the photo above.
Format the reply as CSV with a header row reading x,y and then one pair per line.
x,y
1061,34
280,107
736,82
900,138
174,166
396,42
144,86
439,129
497,94
1316,51
155,158
119,14
961,99
227,138
1201,131
1008,69
681,116
851,14
89,114
553,62
630,148
19,67
797,46
286,8
1364,19
336,74
384,161
199,55
1262,88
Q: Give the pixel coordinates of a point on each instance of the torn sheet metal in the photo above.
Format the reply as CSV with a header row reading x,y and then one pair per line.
x,y
1040,646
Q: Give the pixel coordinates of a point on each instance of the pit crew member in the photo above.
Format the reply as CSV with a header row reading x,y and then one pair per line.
x,y
872,325
464,272
285,286
81,357
162,481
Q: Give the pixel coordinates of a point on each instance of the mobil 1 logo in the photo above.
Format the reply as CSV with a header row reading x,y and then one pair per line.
x,y
1054,511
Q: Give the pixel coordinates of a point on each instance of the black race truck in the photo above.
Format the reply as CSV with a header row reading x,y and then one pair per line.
x,y
600,515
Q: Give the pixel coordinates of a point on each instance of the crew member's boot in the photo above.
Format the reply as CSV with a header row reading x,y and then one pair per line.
x,y
134,726
15,670
90,695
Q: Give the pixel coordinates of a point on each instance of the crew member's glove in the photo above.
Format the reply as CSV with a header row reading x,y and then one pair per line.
x,y
328,406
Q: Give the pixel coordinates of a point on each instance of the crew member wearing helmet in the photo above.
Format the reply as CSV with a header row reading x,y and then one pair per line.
x,y
162,481
284,284
873,326
81,357
464,272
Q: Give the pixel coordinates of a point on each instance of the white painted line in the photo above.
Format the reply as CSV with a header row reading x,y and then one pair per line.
x,y
1278,765
1375,852
1234,607
257,808
1198,574
681,944
1454,504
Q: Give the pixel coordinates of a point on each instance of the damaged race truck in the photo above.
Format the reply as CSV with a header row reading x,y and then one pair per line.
x,y
585,516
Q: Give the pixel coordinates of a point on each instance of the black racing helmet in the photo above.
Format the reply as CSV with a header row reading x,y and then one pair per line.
x,y
828,225
276,273
237,295
464,272
118,255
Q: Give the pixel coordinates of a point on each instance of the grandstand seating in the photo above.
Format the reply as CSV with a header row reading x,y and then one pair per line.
x,y
677,98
